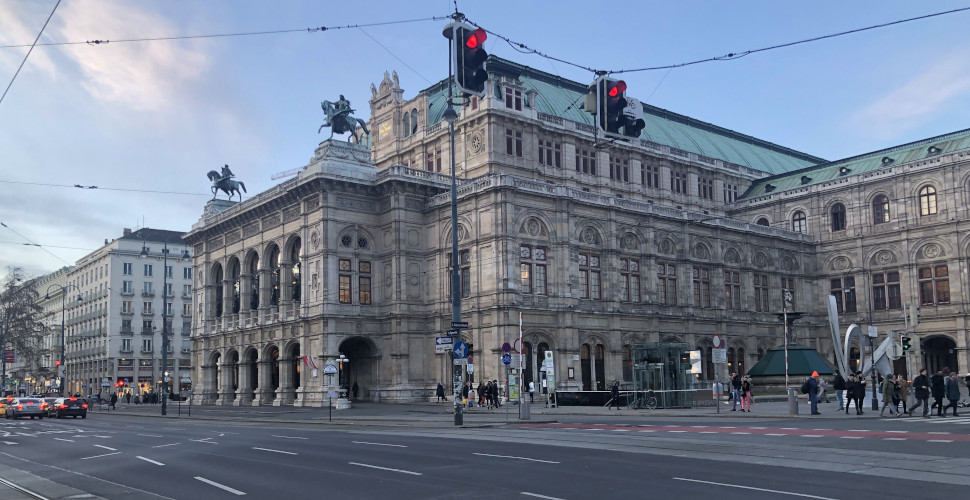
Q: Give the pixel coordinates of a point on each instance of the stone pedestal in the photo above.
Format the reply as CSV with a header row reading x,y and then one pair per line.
x,y
215,206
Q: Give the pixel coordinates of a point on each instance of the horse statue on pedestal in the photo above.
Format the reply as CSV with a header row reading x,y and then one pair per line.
x,y
225,183
339,119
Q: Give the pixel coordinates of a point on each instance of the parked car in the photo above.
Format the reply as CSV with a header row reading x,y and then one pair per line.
x,y
4,402
50,405
69,407
26,407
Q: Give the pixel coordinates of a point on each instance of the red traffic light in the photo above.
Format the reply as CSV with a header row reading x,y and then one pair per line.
x,y
476,39
617,89
57,363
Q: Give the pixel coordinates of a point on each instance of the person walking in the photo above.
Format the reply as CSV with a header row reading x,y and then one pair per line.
x,y
823,395
440,392
355,389
745,394
813,393
497,393
838,383
903,393
966,380
937,389
615,395
888,392
922,392
114,400
952,392
735,391
855,391
532,392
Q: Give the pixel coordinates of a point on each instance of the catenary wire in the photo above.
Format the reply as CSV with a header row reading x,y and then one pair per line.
x,y
41,32
78,186
32,243
227,35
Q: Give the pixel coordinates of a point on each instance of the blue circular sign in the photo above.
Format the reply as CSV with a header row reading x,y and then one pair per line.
x,y
461,349
507,358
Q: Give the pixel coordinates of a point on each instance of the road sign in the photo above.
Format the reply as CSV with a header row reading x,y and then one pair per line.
x,y
330,368
718,342
443,344
332,392
461,350
470,368
506,347
719,356
459,324
453,333
506,358
517,346
461,361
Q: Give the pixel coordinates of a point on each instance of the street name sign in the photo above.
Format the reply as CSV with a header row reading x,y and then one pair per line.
x,y
459,324
461,361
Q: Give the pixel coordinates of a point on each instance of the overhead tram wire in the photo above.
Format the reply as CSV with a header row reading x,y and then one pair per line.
x,y
78,186
227,35
32,243
46,246
41,32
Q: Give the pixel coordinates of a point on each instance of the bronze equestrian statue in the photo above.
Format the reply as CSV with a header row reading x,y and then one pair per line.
x,y
225,182
339,119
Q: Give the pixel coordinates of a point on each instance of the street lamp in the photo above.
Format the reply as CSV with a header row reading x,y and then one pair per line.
x,y
340,367
61,367
166,379
450,115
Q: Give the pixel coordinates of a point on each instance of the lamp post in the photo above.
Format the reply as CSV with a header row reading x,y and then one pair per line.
x,y
340,369
61,367
165,379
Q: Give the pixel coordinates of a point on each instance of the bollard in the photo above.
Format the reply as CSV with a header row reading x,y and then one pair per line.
x,y
792,401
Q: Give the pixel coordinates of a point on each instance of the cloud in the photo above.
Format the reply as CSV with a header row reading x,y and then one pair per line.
x,y
21,21
917,100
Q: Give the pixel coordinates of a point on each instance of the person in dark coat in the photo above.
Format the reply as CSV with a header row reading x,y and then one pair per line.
x,y
838,383
735,391
952,393
856,390
921,390
937,389
440,392
114,400
813,393
355,389
615,395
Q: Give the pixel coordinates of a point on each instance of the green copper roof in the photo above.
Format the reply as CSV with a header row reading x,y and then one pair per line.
x,y
802,361
885,158
560,97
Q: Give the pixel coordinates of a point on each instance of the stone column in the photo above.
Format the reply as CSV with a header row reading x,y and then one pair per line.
x,y
244,394
286,276
265,294
209,390
264,394
227,316
226,394
286,393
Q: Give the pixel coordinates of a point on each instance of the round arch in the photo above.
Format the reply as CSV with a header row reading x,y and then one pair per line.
x,y
362,369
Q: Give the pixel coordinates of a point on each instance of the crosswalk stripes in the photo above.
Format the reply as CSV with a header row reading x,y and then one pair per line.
x,y
938,420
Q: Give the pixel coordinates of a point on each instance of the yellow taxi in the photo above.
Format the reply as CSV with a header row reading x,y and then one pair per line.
x,y
4,402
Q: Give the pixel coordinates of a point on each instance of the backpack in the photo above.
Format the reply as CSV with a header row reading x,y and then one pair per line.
x,y
805,387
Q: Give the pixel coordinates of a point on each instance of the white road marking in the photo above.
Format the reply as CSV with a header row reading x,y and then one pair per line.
x,y
62,439
206,441
275,451
106,447
379,444
850,437
151,435
9,442
676,431
753,488
646,430
773,434
148,460
517,458
939,440
220,486
105,455
164,445
894,439
899,432
740,433
289,437
621,430
526,493
387,468
811,435
704,432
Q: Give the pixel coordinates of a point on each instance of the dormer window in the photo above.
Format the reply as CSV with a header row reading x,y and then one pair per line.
x,y
769,188
843,171
933,150
513,99
806,179
887,161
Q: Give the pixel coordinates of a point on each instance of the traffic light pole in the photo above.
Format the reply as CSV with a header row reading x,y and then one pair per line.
x,y
450,115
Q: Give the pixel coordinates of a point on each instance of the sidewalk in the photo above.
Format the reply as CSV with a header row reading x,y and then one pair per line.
x,y
442,414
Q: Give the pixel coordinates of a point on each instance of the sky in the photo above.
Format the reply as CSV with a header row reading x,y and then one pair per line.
x,y
145,120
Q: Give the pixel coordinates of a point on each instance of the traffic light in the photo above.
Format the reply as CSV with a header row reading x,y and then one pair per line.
x,y
615,113
907,343
469,57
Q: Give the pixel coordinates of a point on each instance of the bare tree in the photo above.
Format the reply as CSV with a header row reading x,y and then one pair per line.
x,y
20,327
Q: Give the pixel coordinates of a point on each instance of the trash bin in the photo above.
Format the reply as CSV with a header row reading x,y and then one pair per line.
x,y
792,401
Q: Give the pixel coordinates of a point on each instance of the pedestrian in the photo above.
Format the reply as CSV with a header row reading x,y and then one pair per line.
x,y
114,400
532,391
464,392
497,393
440,392
854,392
902,392
481,394
966,380
355,389
922,394
745,394
128,397
813,393
888,391
615,395
952,392
823,395
838,383
735,391
937,389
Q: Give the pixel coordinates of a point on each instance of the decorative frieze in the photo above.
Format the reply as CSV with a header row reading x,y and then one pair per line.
x,y
250,230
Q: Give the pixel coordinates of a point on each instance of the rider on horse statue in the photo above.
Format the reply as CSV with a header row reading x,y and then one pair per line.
x,y
225,183
339,120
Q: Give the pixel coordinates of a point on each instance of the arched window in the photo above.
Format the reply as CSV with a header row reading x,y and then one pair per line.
x,y
217,277
762,221
798,223
406,124
254,282
927,200
234,276
296,252
274,269
838,217
414,121
880,209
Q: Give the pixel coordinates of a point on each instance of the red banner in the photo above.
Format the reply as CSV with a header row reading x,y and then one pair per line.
x,y
9,356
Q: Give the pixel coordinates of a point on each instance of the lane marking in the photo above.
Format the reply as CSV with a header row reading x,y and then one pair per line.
x,y
646,430
811,435
517,458
387,469
275,451
206,441
894,439
939,440
850,437
289,437
740,433
164,445
151,435
220,486
753,488
526,493
62,439
105,455
379,444
106,447
776,434
149,460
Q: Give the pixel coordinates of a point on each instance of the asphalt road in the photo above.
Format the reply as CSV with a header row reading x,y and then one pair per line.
x,y
128,456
